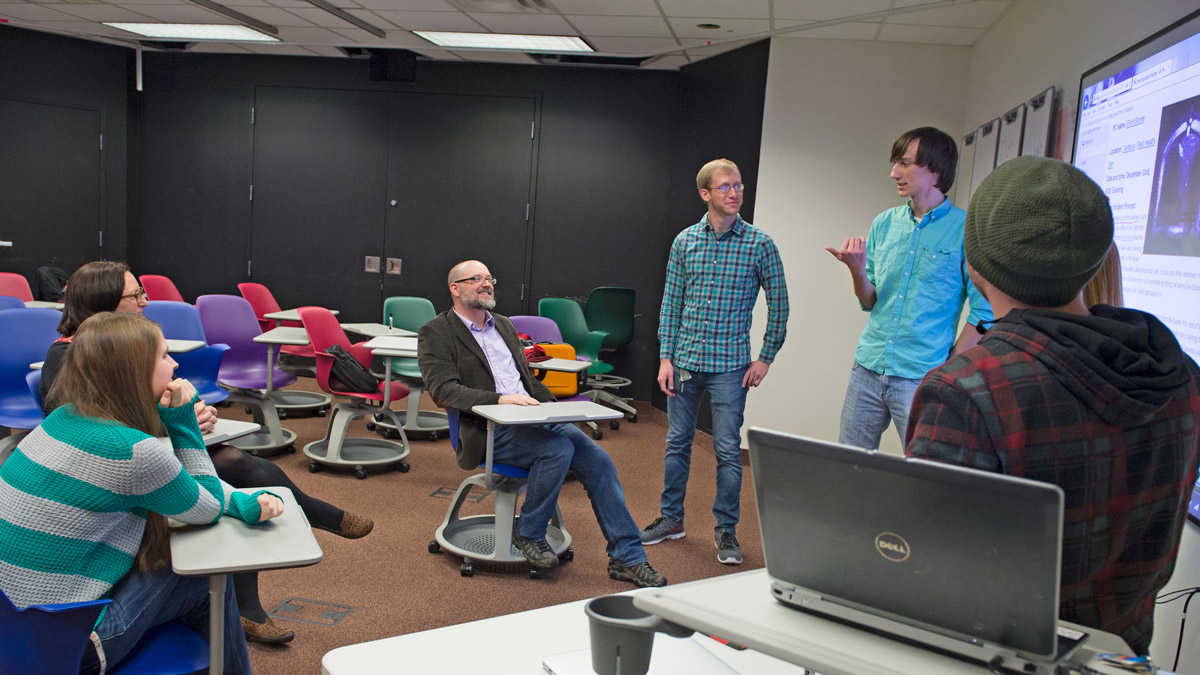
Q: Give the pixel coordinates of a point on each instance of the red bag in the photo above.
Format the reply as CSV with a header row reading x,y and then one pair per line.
x,y
533,353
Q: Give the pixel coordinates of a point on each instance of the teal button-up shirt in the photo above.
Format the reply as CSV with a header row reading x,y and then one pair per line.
x,y
920,275
712,284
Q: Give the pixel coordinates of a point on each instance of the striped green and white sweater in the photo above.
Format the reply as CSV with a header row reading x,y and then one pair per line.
x,y
74,497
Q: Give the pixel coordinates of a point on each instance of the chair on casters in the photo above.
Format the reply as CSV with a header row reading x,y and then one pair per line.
x,y
263,302
230,320
335,449
487,538
611,309
53,638
564,386
181,321
411,313
158,287
569,317
25,334
15,285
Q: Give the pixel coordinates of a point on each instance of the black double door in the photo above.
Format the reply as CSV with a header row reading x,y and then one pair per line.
x,y
417,181
50,186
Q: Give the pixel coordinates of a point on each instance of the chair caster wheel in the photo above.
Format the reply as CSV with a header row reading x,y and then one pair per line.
x,y
466,569
633,418
282,414
323,411
313,467
360,472
403,467
614,424
371,426
567,555
433,436
536,573
391,433
435,547
291,449
247,409
597,434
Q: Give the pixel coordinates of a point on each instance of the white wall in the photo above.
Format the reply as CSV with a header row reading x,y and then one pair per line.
x,y
833,109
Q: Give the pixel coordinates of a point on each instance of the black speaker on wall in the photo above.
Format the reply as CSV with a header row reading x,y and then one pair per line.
x,y
393,65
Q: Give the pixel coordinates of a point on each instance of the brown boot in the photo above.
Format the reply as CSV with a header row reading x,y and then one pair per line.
x,y
355,526
267,633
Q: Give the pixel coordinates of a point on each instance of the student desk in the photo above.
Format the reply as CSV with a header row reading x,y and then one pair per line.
x,y
173,346
289,315
376,330
43,304
230,545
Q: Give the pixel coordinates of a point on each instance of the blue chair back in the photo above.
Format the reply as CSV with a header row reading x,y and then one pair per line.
x,y
452,415
25,335
181,321
52,639
9,302
33,380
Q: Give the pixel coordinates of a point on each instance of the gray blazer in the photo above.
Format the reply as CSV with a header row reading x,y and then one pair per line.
x,y
457,375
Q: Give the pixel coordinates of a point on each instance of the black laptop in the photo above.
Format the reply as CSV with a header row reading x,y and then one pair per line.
x,y
961,561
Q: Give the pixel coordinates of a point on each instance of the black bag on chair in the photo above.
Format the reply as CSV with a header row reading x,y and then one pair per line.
x,y
353,375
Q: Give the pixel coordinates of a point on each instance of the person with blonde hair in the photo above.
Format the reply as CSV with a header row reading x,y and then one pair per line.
x,y
1106,288
85,496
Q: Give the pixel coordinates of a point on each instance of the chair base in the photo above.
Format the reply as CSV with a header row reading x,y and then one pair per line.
x,y
358,453
612,400
273,438
427,424
608,381
297,403
474,538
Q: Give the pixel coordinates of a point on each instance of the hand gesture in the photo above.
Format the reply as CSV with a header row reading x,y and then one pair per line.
x,y
177,394
206,415
853,253
271,507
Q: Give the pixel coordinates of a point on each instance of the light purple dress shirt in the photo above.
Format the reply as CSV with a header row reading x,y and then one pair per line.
x,y
500,359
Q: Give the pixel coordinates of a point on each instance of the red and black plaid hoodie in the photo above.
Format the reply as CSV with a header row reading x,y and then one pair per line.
x,y
1105,406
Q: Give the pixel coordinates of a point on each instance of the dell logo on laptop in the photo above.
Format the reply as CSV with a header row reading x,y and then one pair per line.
x,y
892,546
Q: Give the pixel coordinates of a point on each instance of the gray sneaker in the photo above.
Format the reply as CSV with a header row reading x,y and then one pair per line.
x,y
661,529
728,551
640,575
538,553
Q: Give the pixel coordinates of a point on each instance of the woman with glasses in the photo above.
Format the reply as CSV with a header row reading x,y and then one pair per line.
x,y
107,286
85,498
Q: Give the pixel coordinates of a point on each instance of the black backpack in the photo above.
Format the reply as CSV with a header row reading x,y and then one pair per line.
x,y
353,375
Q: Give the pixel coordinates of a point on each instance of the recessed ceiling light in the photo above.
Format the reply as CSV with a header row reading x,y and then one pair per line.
x,y
195,31
708,26
524,43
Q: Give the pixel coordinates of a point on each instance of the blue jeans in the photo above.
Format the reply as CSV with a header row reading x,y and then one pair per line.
x,y
872,401
549,451
143,601
728,404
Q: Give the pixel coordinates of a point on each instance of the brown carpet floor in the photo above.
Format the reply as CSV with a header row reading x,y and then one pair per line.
x,y
389,584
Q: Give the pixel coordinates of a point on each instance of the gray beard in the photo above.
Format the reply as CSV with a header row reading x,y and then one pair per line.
x,y
479,303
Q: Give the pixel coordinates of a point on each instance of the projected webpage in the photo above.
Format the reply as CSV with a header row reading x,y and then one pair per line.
x,y
1139,139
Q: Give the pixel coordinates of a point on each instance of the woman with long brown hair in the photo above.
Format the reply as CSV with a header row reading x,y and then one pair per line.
x,y
83,499
107,286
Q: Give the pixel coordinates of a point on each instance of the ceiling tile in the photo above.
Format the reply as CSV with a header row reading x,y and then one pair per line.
x,y
666,63
931,35
27,11
101,13
436,54
452,21
752,9
824,10
408,5
238,4
494,56
631,45
308,35
212,48
152,2
274,16
525,24
608,7
623,26
705,51
277,49
321,50
686,27
183,14
854,30
373,19
974,15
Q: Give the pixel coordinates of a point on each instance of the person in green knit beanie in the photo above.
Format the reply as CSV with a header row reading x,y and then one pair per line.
x,y
85,496
1099,400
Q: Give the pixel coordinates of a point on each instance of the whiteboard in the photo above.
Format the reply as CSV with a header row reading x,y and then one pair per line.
x,y
966,164
1012,125
985,152
1037,125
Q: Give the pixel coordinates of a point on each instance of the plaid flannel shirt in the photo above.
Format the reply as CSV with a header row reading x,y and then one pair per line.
x,y
1000,407
712,285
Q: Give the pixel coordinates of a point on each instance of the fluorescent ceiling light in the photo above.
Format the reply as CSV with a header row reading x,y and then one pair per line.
x,y
524,43
194,31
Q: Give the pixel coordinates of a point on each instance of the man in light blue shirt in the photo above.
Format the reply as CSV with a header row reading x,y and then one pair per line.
x,y
911,275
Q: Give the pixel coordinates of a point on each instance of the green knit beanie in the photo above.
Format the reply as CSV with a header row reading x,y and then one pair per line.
x,y
1038,230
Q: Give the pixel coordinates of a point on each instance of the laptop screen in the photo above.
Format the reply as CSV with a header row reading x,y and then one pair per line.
x,y
963,553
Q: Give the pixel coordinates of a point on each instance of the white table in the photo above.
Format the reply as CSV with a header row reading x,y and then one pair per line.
x,y
173,346
231,545
289,315
43,304
513,644
403,345
376,329
283,335
225,430
742,608
561,365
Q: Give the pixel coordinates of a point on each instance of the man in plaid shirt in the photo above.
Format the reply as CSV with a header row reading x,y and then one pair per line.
x,y
713,275
1101,401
